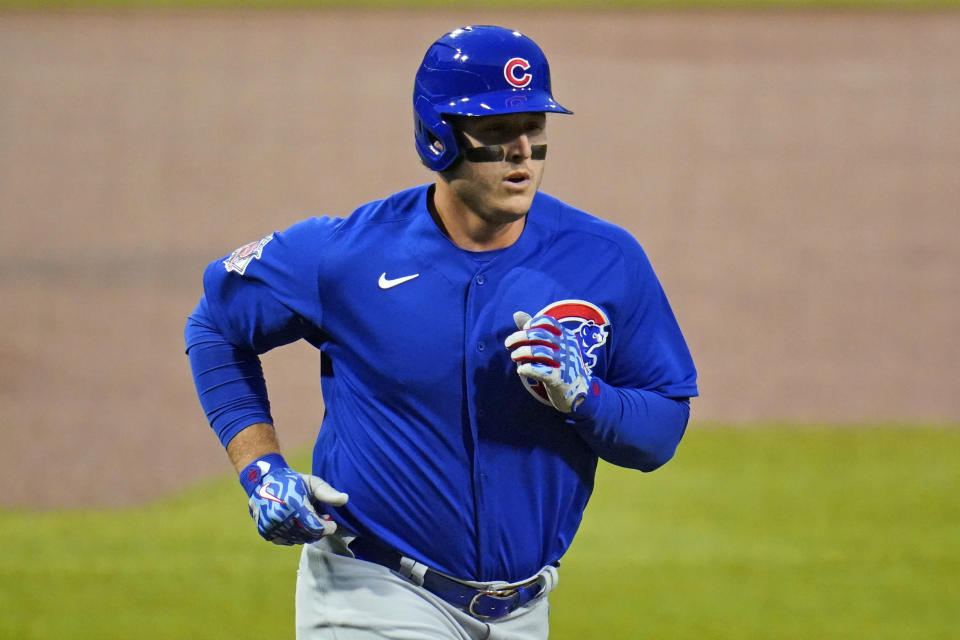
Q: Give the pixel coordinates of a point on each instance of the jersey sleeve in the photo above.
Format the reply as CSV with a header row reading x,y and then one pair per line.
x,y
263,295
648,347
229,380
267,293
637,415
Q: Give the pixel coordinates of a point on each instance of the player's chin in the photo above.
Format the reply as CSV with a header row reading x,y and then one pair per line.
x,y
517,203
513,211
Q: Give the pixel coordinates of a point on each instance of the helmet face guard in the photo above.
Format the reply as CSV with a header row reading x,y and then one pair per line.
x,y
476,71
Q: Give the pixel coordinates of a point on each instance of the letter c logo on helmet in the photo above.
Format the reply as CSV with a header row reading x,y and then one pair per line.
x,y
510,72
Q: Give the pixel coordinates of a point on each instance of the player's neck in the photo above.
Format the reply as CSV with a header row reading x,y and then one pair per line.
x,y
468,229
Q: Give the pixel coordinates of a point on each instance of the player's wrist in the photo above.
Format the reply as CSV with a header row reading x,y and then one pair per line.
x,y
252,475
589,406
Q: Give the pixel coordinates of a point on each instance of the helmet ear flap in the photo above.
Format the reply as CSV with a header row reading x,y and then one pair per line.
x,y
435,138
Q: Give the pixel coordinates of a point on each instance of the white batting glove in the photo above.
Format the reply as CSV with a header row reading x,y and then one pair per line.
x,y
547,351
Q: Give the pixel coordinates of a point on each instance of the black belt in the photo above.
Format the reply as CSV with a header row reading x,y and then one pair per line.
x,y
479,602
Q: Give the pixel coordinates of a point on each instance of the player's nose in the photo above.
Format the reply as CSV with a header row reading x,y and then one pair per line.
x,y
519,149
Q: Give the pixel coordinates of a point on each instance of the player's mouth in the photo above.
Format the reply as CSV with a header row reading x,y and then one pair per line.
x,y
517,180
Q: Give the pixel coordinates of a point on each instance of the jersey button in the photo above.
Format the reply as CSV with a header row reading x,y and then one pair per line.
x,y
481,279
481,346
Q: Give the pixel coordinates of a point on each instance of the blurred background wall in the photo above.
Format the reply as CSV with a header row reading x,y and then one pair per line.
x,y
793,176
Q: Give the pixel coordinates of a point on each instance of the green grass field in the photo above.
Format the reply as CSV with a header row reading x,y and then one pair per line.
x,y
780,532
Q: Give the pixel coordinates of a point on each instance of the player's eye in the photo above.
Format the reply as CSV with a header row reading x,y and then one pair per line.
x,y
534,126
498,131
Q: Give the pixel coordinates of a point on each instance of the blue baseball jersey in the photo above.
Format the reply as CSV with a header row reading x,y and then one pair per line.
x,y
447,454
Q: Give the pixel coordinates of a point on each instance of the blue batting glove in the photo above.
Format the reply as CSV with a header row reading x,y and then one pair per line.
x,y
547,351
282,501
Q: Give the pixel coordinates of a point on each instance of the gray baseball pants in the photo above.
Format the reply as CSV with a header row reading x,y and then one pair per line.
x,y
342,598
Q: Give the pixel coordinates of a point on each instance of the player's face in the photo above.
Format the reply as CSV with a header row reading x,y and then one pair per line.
x,y
500,191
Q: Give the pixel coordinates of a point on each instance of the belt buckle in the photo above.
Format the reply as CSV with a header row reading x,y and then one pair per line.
x,y
503,594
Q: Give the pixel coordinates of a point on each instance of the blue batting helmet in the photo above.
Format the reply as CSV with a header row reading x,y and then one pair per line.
x,y
476,71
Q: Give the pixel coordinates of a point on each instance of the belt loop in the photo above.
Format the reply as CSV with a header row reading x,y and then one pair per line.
x,y
548,577
412,570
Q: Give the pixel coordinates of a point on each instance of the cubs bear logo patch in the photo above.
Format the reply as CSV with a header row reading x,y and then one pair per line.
x,y
240,259
592,328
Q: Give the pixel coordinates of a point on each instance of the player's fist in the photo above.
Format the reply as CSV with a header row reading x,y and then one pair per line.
x,y
547,351
283,502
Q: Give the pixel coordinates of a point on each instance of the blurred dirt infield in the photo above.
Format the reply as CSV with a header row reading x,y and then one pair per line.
x,y
794,178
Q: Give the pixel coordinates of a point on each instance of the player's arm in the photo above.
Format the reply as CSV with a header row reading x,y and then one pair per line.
x,y
240,316
252,442
635,428
229,380
637,414
629,427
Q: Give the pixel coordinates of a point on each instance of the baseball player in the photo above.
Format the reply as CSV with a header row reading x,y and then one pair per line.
x,y
482,345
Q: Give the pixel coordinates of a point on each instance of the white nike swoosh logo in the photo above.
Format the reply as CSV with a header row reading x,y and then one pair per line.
x,y
386,283
263,492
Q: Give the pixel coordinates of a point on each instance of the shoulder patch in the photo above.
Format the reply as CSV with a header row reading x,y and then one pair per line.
x,y
242,257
